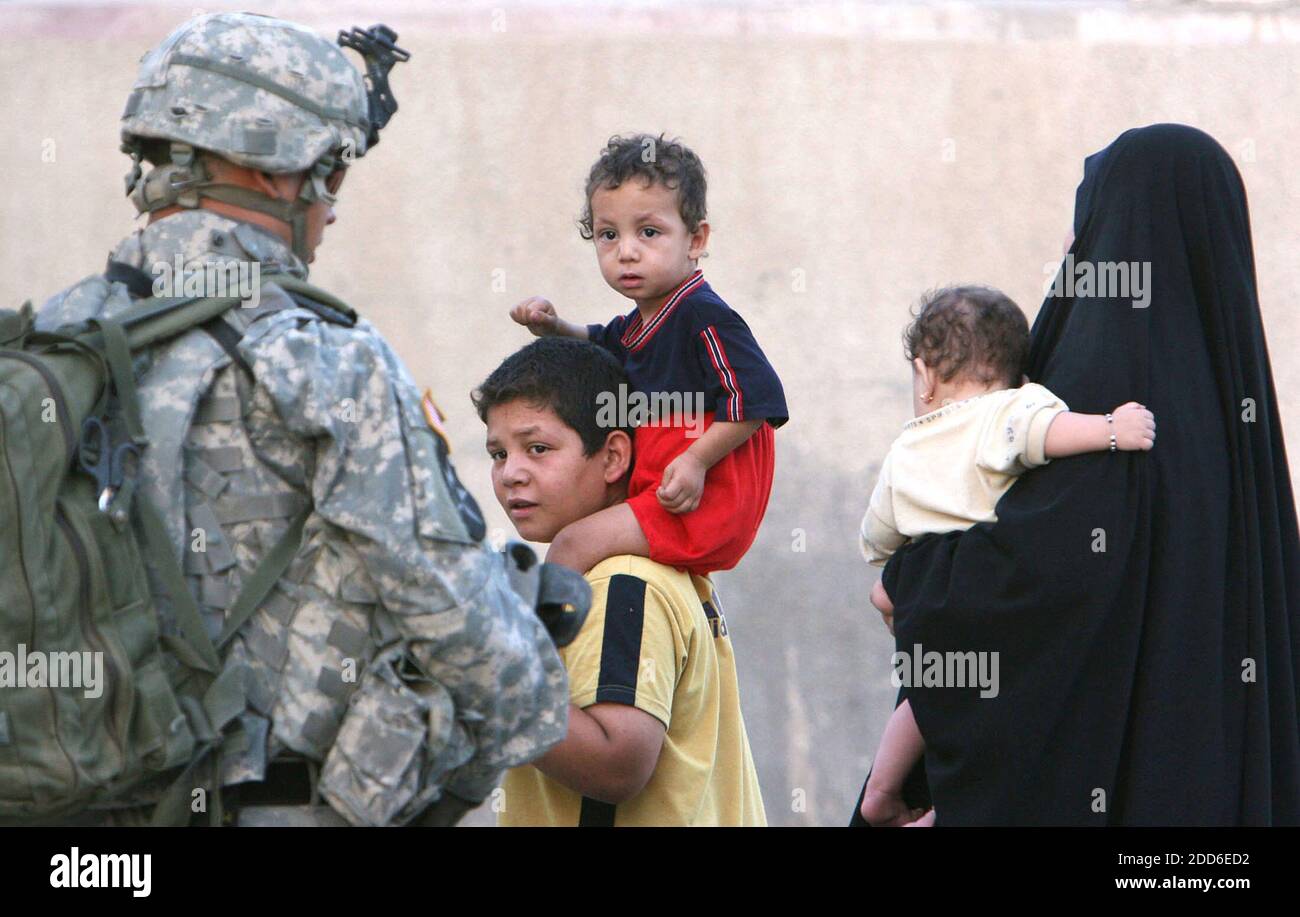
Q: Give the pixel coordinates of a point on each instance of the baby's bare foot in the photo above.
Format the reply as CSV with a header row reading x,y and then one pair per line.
x,y
886,809
925,821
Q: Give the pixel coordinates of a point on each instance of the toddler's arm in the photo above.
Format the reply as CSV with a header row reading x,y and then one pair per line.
x,y
540,317
1072,434
879,540
879,537
683,480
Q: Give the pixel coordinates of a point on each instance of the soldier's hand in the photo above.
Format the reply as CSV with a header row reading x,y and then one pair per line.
x,y
538,315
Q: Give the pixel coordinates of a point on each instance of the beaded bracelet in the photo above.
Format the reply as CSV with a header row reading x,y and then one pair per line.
x,y
1113,443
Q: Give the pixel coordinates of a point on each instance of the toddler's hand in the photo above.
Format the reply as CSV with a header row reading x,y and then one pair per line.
x,y
537,314
1135,427
682,484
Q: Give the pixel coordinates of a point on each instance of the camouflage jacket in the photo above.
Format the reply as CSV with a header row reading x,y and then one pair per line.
x,y
393,651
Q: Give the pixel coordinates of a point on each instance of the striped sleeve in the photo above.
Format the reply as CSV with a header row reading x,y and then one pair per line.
x,y
626,652
740,383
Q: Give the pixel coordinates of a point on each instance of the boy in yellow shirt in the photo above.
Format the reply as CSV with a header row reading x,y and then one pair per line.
x,y
655,735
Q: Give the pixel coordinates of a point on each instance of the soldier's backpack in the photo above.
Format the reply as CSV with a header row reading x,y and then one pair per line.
x,y
91,708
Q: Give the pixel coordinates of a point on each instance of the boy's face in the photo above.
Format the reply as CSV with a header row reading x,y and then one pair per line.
x,y
642,243
539,474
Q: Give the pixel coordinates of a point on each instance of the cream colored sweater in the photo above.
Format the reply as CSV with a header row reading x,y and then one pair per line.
x,y
948,468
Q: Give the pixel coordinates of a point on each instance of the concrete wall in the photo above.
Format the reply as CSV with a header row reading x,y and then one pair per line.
x,y
857,154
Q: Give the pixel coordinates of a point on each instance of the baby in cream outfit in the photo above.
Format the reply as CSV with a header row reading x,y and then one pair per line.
x,y
954,461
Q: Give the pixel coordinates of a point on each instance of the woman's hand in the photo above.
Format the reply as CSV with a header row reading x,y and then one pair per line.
x,y
880,599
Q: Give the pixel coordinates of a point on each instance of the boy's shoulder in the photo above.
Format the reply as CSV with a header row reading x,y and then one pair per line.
x,y
658,575
668,588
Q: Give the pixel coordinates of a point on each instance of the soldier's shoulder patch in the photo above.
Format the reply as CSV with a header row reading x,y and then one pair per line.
x,y
434,417
470,514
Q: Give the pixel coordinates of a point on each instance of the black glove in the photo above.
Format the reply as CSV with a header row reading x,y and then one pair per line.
x,y
560,596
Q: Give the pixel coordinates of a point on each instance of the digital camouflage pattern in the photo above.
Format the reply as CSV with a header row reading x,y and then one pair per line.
x,y
262,92
393,652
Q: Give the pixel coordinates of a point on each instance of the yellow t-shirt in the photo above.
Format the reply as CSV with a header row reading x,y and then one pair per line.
x,y
656,639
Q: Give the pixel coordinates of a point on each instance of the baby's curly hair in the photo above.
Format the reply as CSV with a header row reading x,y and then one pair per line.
x,y
658,160
974,332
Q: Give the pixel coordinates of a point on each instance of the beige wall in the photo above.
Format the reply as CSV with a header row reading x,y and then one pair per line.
x,y
866,151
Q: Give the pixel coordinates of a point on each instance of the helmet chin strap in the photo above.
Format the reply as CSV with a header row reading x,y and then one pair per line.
x,y
184,180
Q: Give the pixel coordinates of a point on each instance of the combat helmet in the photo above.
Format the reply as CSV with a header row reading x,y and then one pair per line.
x,y
261,92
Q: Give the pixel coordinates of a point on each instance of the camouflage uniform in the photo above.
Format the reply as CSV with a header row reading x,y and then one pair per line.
x,y
393,653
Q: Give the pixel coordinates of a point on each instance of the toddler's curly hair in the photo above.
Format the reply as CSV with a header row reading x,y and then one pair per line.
x,y
974,332
657,160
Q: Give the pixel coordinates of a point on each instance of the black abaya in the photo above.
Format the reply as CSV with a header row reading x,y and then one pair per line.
x,y
1145,607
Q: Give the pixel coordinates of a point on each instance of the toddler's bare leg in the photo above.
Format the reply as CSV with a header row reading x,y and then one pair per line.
x,y
900,748
582,544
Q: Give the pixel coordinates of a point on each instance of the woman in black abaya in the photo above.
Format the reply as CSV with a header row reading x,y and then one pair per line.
x,y
1144,606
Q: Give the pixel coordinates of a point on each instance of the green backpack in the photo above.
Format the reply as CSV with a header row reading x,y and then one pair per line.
x,y
96,705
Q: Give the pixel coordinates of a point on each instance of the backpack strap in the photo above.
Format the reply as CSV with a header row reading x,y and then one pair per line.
x,y
117,355
140,286
138,283
228,338
313,298
258,586
195,648
155,318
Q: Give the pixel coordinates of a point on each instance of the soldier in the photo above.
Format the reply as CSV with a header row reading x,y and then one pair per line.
x,y
392,673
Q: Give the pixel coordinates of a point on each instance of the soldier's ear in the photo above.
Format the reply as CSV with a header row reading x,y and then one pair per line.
x,y
284,186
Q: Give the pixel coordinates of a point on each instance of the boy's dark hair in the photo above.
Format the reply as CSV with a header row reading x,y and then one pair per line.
x,y
566,375
657,159
976,332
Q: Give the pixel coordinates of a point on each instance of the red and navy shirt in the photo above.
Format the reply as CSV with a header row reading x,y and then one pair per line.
x,y
696,343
